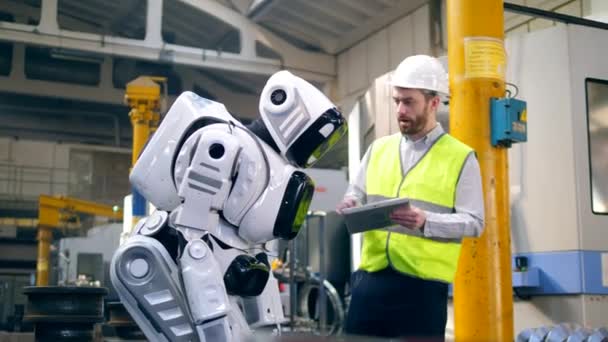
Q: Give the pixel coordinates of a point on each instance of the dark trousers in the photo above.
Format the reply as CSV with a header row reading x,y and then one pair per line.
x,y
390,304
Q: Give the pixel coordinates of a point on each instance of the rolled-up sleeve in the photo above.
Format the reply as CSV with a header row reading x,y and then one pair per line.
x,y
468,218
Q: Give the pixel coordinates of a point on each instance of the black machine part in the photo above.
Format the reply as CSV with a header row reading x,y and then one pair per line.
x,y
246,276
121,323
294,206
66,313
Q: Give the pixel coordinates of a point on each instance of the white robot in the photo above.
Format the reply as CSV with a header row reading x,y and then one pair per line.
x,y
196,269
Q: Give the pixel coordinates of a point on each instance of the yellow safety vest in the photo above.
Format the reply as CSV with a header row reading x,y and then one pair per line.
x,y
430,185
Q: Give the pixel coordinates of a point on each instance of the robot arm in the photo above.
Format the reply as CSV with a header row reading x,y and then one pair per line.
x,y
203,174
221,189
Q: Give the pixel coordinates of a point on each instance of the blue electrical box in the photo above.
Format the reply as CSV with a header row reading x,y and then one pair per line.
x,y
527,278
508,121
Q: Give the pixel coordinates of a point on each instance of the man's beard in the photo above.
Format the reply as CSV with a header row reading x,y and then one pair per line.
x,y
418,124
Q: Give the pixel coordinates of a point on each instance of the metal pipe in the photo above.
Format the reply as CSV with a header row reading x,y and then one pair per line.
x,y
116,132
322,295
45,236
476,58
292,284
564,18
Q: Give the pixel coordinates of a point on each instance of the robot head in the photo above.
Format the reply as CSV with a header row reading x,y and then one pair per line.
x,y
302,122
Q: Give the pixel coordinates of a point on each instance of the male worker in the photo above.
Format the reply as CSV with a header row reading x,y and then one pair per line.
x,y
401,286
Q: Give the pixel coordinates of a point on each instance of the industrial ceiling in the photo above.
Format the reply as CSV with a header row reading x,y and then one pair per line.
x,y
202,45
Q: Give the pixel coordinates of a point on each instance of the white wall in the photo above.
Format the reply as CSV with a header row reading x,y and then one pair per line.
x,y
541,171
330,186
382,51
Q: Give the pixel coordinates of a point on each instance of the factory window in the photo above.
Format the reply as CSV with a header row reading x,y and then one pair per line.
x,y
597,124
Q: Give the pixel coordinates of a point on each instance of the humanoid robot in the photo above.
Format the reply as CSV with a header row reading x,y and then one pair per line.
x,y
197,269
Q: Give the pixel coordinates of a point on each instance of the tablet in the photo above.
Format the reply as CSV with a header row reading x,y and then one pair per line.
x,y
372,216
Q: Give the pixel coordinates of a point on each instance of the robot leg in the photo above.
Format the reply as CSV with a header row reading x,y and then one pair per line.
x,y
266,309
146,280
206,293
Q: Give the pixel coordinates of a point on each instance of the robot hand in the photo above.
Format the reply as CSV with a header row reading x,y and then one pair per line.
x,y
221,189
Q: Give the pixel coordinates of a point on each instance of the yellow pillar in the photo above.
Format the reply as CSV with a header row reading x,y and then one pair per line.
x,y
144,97
45,236
141,117
483,303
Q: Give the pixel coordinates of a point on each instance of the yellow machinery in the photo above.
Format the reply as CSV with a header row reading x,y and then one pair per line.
x,y
143,95
62,212
483,300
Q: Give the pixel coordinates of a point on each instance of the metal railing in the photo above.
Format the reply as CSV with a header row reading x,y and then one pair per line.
x,y
22,182
26,183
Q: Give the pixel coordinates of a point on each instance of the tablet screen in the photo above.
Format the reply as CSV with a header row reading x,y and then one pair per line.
x,y
373,215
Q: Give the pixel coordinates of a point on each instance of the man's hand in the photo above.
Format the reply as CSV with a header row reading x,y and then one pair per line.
x,y
347,202
409,217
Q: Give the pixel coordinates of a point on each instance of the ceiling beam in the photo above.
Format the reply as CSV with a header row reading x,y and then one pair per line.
x,y
299,60
241,5
168,53
313,66
105,93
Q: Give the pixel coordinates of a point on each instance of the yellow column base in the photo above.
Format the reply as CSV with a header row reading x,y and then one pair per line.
x,y
45,236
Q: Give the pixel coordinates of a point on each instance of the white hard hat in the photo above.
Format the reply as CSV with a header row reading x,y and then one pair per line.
x,y
421,72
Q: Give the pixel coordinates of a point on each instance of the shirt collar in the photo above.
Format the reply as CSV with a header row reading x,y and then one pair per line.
x,y
431,136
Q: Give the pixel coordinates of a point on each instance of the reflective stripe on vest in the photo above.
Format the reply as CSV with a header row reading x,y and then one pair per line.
x,y
430,185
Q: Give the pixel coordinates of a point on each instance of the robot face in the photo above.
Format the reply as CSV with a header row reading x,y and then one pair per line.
x,y
319,138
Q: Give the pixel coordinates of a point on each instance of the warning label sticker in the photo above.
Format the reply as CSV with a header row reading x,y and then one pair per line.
x,y
484,57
